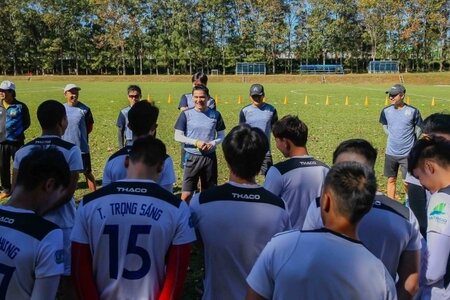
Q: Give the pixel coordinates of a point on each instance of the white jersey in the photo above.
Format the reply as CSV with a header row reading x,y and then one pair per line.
x,y
235,222
298,181
30,248
438,247
129,226
63,216
319,265
115,169
387,230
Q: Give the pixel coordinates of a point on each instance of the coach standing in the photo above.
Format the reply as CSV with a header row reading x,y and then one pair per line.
x,y
14,120
80,125
401,122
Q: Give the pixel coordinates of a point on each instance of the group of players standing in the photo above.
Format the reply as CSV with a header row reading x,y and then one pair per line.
x,y
132,238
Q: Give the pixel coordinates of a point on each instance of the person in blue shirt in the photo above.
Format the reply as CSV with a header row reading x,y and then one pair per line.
x,y
261,115
14,120
80,125
402,124
124,134
200,129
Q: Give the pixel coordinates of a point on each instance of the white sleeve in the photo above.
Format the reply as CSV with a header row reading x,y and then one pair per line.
x,y
50,257
167,177
180,137
415,237
75,160
185,232
261,277
106,176
79,232
438,252
45,288
313,218
273,182
219,139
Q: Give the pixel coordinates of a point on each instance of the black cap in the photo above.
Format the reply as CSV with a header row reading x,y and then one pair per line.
x,y
256,90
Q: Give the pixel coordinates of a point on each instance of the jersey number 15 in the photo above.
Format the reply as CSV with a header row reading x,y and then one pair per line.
x,y
132,248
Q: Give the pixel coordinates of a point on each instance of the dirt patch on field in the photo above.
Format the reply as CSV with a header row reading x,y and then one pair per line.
x,y
408,78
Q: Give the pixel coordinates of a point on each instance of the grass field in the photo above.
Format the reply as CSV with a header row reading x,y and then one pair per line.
x,y
328,124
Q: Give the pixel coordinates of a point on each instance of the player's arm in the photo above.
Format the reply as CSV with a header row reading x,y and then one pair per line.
x,y
89,122
82,273
180,137
183,105
408,274
176,270
26,121
438,252
252,295
45,288
121,123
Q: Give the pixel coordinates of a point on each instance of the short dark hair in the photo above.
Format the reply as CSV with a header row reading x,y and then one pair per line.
x,y
148,150
244,149
353,187
359,146
435,147
142,117
50,113
200,77
200,87
436,123
43,164
134,87
292,128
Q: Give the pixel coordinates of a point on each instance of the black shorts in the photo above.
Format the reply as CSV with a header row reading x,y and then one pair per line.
x,y
199,166
393,163
86,157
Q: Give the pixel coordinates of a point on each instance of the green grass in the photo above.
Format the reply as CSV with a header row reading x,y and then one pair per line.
x,y
328,124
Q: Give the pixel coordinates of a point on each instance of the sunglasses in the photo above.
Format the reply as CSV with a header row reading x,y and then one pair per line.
x,y
393,95
134,96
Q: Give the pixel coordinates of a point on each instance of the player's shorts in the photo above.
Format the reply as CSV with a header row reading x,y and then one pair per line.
x,y
267,163
199,166
86,157
393,163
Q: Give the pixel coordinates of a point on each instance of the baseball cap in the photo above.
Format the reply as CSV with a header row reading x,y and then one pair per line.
x,y
256,90
396,89
71,86
7,85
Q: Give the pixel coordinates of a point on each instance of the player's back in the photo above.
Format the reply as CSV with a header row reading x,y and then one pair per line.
x,y
30,248
298,181
235,222
115,169
322,264
129,226
388,230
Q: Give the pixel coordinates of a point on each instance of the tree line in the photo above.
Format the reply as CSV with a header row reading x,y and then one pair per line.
x,y
185,36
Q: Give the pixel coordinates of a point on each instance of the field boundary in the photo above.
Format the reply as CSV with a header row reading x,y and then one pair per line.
x,y
437,78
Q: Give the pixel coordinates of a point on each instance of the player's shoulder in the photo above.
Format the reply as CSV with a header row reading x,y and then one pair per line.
x,y
133,188
299,163
268,106
51,141
27,223
389,205
119,153
229,192
445,190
